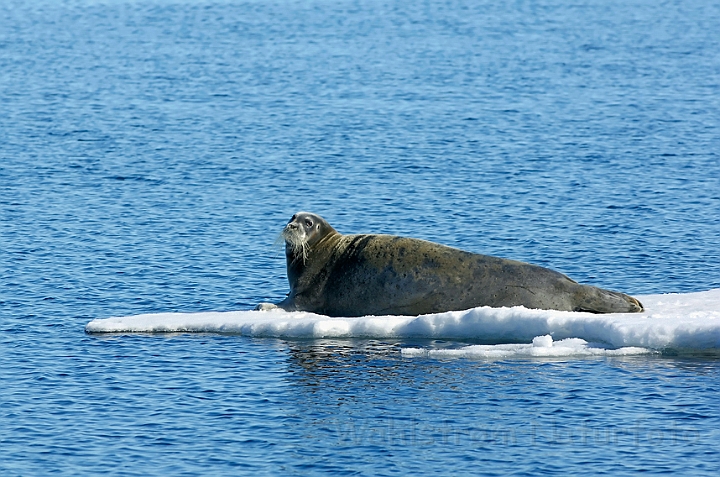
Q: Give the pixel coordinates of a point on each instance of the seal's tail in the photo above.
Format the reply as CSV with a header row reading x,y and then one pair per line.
x,y
597,300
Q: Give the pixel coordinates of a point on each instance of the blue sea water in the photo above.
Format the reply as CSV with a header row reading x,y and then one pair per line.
x,y
151,151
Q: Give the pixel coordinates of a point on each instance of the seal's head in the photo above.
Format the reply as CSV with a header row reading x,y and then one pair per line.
x,y
302,232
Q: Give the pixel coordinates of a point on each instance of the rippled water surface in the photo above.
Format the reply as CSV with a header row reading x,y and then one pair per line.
x,y
151,151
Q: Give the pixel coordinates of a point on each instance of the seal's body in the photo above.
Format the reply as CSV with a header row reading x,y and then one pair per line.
x,y
357,275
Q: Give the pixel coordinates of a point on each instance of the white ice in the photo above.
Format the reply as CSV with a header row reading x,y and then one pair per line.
x,y
541,346
680,321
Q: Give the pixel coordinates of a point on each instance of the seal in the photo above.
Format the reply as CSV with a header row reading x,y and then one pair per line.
x,y
358,275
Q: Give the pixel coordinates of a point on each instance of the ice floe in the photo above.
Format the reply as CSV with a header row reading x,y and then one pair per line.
x,y
687,321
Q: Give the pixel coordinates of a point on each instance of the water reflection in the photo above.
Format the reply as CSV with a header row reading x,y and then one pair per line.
x,y
361,394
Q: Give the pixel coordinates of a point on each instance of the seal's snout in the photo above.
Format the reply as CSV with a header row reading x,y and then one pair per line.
x,y
296,245
635,305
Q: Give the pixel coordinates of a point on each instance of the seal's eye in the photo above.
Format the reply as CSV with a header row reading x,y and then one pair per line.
x,y
308,222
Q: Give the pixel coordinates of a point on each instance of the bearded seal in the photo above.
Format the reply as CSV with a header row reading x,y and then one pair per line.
x,y
358,275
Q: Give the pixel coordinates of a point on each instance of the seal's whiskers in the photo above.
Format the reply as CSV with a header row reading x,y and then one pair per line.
x,y
296,242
